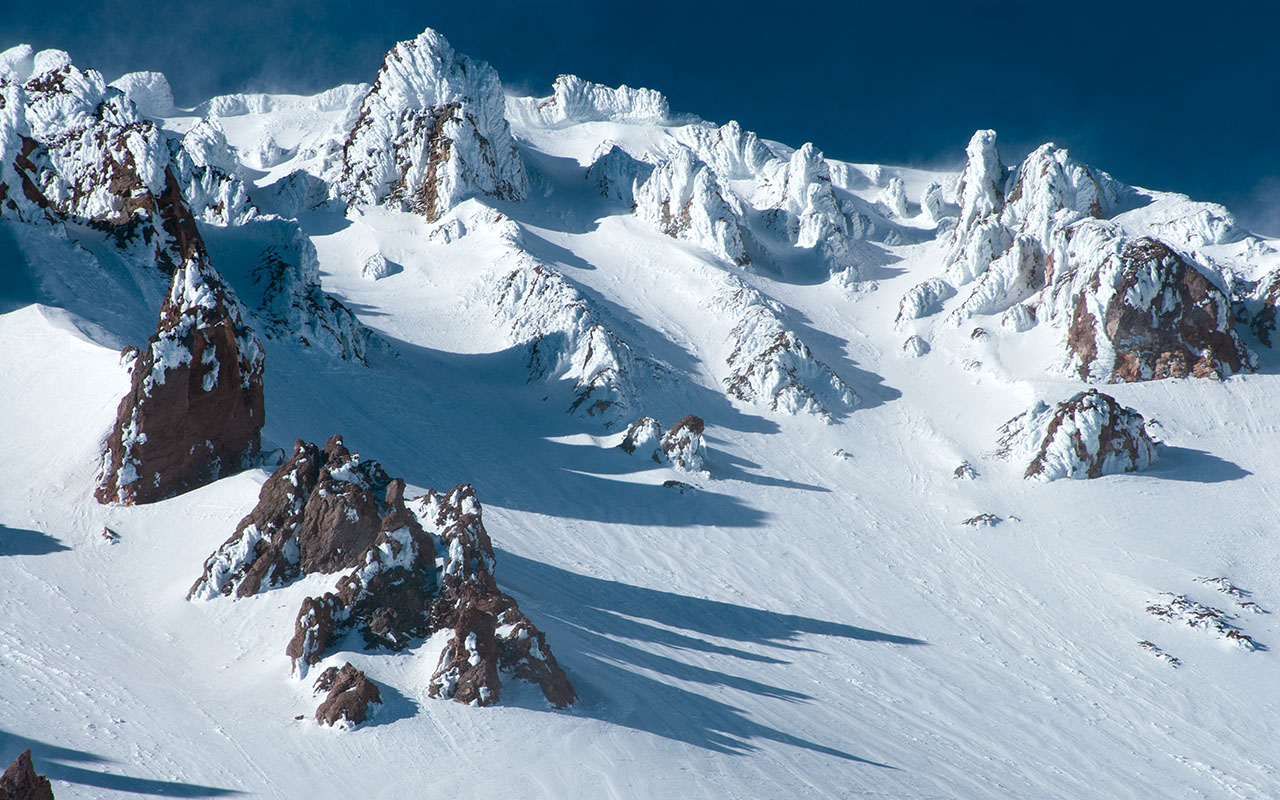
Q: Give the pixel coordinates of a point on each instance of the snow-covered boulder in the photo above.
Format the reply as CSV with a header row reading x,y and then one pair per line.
x,y
195,409
771,365
682,446
915,346
376,267
644,437
567,340
431,132
20,781
574,100
683,199
318,512
615,173
923,300
1087,436
348,696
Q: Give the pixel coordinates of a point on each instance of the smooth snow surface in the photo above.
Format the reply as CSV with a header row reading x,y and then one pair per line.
x,y
805,616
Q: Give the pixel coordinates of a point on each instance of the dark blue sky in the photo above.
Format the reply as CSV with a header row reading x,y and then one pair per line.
x,y
1173,95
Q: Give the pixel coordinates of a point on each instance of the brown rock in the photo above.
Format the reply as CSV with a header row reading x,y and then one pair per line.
x,y
20,781
349,698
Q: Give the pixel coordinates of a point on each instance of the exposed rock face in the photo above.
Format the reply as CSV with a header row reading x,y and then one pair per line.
x,y
568,341
318,512
430,132
1088,436
683,199
349,696
770,364
195,409
682,445
397,594
574,100
20,781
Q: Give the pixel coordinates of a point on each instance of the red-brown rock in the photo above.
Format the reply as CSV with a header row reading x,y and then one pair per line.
x,y
20,781
350,694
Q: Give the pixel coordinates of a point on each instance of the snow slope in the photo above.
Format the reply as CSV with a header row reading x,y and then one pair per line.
x,y
810,619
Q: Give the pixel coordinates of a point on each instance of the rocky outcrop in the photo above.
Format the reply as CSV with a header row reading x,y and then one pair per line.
x,y
893,198
644,437
683,199
1088,436
574,100
349,695
431,132
149,92
398,594
194,411
770,364
567,340
318,512
20,781
803,195
732,152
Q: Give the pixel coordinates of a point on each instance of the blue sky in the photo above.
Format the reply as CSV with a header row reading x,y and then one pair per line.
x,y
1174,95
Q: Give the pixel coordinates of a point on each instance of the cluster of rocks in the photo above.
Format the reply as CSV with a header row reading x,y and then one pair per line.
x,y
413,569
681,447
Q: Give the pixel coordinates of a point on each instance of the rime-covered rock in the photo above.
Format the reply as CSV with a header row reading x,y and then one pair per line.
x,y
923,300
981,189
731,152
893,198
682,446
931,202
318,512
206,166
568,340
770,364
348,697
1088,436
194,411
431,132
397,593
20,781
615,173
574,100
375,268
814,216
645,438
915,347
148,91
683,199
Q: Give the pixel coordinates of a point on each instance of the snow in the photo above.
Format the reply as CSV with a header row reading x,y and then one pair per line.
x,y
801,626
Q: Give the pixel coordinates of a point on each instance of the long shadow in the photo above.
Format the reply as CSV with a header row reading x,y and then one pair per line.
x,y
1194,466
395,707
626,684
48,757
23,542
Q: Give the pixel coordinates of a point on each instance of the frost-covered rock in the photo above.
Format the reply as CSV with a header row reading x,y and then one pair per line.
x,y
1088,436
615,174
1180,608
931,202
431,132
348,696
814,216
194,411
20,781
376,267
149,92
893,198
731,152
574,100
644,437
398,594
769,363
915,347
981,189
206,166
682,446
683,199
567,340
318,512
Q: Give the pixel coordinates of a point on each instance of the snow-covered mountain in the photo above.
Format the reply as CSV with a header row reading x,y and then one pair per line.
x,y
965,490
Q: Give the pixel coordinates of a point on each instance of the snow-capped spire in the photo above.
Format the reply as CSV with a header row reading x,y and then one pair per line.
x,y
683,199
431,132
981,190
